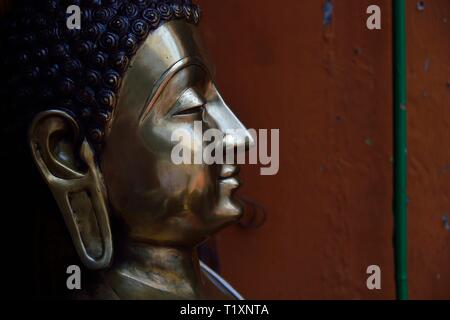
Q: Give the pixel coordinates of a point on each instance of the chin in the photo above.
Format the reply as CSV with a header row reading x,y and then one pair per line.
x,y
229,208
228,211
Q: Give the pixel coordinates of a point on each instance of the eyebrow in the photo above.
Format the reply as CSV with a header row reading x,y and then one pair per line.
x,y
165,79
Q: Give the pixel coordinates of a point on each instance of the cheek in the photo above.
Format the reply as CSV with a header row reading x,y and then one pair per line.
x,y
176,180
129,173
187,182
141,176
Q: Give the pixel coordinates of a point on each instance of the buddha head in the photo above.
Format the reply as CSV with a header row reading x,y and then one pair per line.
x,y
100,105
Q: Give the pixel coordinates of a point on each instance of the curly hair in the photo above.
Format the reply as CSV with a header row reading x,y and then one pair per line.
x,y
47,65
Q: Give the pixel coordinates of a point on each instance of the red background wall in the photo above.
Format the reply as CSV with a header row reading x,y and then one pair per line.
x,y
327,87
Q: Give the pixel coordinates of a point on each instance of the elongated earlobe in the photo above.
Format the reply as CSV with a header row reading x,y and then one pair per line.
x,y
67,163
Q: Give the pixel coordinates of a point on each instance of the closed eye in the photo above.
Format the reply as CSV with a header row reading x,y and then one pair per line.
x,y
189,103
190,111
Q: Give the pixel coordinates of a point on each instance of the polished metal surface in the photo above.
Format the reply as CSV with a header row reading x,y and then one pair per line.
x,y
158,211
220,282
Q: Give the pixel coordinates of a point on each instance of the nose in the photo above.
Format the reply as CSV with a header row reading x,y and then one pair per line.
x,y
236,134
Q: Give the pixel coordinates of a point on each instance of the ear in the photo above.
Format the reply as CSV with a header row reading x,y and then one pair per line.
x,y
67,163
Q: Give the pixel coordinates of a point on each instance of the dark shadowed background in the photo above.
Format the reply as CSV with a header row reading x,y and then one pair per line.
x,y
319,75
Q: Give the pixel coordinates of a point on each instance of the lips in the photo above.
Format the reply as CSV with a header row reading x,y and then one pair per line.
x,y
230,207
228,177
228,171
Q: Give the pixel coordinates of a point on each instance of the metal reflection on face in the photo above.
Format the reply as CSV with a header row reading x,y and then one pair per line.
x,y
168,87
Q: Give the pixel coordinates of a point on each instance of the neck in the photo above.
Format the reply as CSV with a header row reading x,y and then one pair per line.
x,y
159,270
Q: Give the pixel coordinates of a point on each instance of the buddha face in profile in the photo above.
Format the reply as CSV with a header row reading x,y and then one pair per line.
x,y
105,101
157,200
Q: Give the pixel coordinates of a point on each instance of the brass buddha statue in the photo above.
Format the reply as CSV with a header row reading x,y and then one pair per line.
x,y
97,106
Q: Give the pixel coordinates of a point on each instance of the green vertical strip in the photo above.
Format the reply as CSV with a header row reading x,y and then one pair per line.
x,y
400,149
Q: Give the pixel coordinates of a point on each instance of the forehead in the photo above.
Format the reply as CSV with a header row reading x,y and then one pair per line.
x,y
168,46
